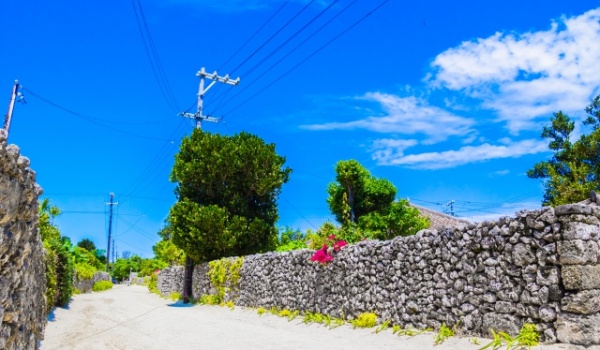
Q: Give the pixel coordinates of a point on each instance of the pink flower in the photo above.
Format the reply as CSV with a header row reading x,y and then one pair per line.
x,y
322,256
339,245
331,237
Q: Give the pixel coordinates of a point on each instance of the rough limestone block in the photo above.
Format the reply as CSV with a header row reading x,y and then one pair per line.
x,y
577,252
547,276
578,277
585,302
579,330
573,209
523,255
579,230
500,323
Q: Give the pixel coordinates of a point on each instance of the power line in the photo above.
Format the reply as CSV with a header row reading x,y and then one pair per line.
x,y
151,52
143,180
285,42
299,213
310,56
253,35
137,229
90,119
248,85
272,36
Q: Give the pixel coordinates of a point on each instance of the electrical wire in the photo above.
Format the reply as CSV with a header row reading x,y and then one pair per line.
x,y
308,57
255,33
248,85
272,36
290,38
88,118
153,58
137,229
299,213
142,181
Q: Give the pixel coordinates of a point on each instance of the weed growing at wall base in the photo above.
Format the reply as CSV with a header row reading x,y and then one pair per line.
x,y
443,334
175,296
365,320
102,285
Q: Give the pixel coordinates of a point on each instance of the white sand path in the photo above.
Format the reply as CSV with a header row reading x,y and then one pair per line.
x,y
131,318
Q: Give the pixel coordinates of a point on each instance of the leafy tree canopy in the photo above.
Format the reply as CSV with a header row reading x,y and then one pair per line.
x,y
574,169
227,188
168,252
365,203
87,244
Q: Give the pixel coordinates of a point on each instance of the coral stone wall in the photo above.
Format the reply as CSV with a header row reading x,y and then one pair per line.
x,y
22,273
540,267
85,285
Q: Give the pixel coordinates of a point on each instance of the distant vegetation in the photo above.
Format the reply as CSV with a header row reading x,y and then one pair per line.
x,y
63,260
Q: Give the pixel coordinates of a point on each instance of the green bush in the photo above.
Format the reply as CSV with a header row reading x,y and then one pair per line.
x,y
64,271
365,320
51,278
153,283
175,296
102,285
84,271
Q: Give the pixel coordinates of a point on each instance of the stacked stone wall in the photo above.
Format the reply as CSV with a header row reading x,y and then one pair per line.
x,y
85,285
541,267
22,273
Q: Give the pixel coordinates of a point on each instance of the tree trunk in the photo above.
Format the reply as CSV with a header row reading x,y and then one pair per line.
x,y
351,204
187,280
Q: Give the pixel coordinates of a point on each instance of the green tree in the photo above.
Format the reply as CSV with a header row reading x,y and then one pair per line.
x,y
122,267
168,252
366,205
87,244
574,168
238,179
227,189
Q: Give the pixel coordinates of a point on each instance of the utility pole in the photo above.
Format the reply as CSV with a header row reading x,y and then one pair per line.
x,y
450,207
112,204
113,249
11,106
198,116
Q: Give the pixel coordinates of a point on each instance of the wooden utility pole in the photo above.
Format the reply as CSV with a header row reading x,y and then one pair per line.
x,y
198,116
112,204
11,106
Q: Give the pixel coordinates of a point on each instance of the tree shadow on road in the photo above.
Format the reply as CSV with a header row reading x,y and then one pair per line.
x,y
180,304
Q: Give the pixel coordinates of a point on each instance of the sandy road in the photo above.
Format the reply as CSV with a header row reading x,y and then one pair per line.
x,y
132,318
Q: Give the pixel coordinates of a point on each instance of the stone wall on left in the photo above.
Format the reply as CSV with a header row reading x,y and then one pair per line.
x,y
22,272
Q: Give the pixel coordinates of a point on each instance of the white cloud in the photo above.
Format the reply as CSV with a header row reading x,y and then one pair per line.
x,y
500,173
528,75
448,159
391,148
408,116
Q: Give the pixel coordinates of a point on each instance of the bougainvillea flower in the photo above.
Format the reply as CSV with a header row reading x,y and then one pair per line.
x,y
331,237
339,245
322,256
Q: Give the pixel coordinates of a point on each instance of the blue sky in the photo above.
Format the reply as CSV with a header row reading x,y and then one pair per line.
x,y
444,99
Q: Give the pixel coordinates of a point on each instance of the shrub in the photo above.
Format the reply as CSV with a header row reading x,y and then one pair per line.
x,y
365,320
175,296
84,271
102,285
153,283
210,299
